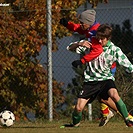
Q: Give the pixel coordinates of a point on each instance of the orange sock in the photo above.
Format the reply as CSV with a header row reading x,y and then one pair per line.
x,y
104,109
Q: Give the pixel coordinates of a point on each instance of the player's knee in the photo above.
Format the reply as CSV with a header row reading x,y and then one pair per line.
x,y
79,109
114,95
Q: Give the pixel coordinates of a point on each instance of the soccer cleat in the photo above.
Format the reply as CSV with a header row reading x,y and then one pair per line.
x,y
129,123
105,120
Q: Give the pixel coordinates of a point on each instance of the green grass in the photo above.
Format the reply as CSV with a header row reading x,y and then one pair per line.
x,y
54,127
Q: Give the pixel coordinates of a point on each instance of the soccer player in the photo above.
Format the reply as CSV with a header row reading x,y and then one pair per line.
x,y
88,27
98,80
78,48
106,113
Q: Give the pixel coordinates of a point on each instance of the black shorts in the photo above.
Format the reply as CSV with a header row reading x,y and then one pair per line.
x,y
96,88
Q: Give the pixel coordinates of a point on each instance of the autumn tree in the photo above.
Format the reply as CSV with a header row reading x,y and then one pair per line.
x,y
94,3
23,85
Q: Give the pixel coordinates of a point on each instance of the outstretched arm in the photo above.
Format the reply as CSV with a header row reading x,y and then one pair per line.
x,y
122,59
72,26
82,43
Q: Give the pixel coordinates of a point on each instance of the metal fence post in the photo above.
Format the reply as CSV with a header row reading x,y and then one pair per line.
x,y
90,111
49,60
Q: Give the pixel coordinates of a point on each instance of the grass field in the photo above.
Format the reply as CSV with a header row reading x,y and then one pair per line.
x,y
54,127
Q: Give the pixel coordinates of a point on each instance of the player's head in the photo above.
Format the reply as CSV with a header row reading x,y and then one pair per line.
x,y
104,33
87,18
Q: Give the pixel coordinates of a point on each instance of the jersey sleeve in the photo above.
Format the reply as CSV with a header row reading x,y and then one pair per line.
x,y
95,51
75,28
122,60
79,49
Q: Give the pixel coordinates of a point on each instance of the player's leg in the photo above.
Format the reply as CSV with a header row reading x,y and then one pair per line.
x,y
77,114
106,114
120,106
87,94
104,109
110,103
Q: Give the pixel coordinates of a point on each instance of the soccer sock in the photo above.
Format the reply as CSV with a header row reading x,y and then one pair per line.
x,y
122,108
76,116
104,109
130,116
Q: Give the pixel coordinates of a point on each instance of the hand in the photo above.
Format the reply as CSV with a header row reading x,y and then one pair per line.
x,y
64,22
77,63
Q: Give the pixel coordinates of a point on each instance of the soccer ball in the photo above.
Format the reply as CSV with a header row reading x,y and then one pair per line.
x,y
7,118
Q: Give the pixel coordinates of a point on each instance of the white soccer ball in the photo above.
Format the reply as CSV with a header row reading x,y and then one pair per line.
x,y
7,118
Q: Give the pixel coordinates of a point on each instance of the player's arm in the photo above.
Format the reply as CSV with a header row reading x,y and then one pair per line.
x,y
72,46
122,59
71,26
83,43
95,51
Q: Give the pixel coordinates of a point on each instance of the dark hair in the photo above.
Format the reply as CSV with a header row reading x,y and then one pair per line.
x,y
104,31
